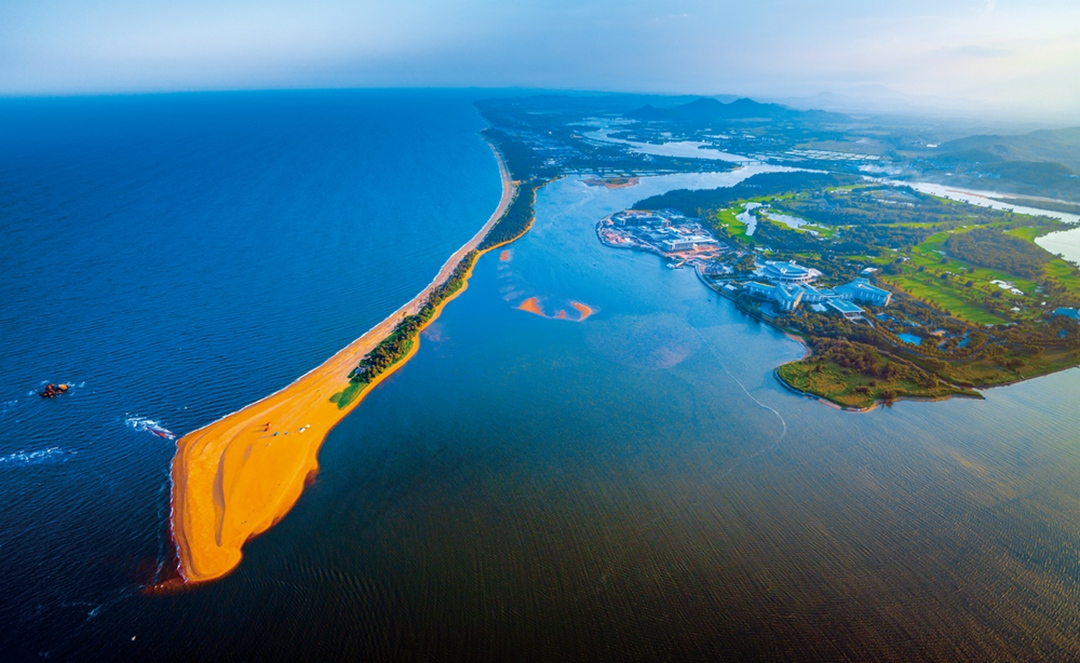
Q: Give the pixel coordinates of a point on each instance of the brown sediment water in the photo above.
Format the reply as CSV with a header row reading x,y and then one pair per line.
x,y
237,477
532,306
584,309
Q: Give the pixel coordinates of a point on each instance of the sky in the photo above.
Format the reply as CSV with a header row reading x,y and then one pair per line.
x,y
993,56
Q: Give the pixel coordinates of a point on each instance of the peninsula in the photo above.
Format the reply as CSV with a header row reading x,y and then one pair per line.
x,y
898,293
237,477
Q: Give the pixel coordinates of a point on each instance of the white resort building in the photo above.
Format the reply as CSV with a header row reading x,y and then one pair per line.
x,y
791,286
861,291
787,296
688,243
788,272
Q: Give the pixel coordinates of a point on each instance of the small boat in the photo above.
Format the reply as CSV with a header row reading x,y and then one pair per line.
x,y
52,391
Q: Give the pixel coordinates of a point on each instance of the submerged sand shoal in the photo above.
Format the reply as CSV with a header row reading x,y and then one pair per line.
x,y
234,479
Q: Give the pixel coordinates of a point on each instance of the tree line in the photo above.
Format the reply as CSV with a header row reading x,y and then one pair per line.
x,y
394,347
700,202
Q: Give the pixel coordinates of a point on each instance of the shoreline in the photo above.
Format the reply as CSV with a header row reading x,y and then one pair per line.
x,y
235,478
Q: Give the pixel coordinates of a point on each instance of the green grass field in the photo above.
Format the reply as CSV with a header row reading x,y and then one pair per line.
x,y
736,228
944,295
1065,274
953,294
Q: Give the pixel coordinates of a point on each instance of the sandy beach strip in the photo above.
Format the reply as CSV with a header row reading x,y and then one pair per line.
x,y
237,477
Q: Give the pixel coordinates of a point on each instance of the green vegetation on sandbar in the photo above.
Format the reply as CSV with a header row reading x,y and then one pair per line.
x,y
514,223
397,345
531,173
517,219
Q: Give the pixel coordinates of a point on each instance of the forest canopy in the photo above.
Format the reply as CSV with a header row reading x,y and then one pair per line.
x,y
988,247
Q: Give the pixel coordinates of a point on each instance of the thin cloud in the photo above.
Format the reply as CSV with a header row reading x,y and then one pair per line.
x,y
979,51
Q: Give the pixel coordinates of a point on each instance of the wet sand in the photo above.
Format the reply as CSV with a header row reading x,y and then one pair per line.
x,y
584,309
532,306
237,477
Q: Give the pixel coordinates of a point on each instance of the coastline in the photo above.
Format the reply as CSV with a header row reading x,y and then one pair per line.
x,y
235,478
808,352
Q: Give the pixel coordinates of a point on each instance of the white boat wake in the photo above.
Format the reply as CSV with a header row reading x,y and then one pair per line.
x,y
145,424
783,423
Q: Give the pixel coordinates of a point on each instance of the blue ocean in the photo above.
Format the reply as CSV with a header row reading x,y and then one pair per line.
x,y
174,258
636,486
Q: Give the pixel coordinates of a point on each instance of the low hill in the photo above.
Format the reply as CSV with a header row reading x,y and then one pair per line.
x,y
707,111
1041,163
1057,145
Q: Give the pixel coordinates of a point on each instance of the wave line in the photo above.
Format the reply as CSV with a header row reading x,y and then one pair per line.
x,y
746,391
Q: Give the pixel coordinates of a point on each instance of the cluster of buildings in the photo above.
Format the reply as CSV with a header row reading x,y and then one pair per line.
x,y
663,231
789,284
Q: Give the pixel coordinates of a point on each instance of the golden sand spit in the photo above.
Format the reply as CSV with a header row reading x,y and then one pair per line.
x,y
238,476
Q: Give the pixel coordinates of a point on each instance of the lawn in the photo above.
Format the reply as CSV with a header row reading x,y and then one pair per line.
x,y
944,294
736,228
1064,273
952,293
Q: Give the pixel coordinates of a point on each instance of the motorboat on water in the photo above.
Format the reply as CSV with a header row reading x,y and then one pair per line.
x,y
52,390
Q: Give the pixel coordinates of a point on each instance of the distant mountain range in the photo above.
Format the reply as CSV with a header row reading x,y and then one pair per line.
x,y
706,111
1058,145
1044,163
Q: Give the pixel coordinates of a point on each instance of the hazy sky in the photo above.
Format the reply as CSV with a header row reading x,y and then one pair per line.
x,y
1004,54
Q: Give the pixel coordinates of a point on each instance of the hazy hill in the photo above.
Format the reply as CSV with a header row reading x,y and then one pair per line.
x,y
706,111
1041,163
1058,145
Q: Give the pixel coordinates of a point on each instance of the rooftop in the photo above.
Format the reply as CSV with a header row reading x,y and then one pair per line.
x,y
844,306
864,286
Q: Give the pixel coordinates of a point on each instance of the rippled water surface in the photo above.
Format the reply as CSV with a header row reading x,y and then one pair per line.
x,y
634,486
173,258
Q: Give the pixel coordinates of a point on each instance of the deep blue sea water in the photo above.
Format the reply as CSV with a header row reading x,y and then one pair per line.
x,y
634,487
176,257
